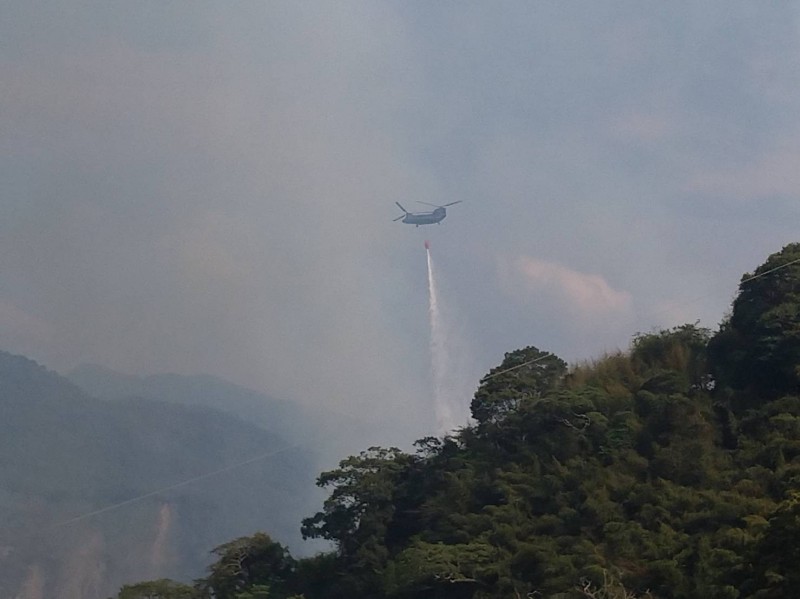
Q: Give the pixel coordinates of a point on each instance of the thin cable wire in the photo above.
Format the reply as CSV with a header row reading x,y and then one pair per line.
x,y
183,483
547,355
770,271
682,303
494,374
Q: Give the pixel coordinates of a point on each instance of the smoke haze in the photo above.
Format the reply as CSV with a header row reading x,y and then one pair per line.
x,y
208,188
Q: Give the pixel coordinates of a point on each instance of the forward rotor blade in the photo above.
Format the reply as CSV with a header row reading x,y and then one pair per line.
x,y
401,208
438,206
398,218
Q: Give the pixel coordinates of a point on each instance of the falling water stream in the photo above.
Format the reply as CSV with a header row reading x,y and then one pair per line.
x,y
440,360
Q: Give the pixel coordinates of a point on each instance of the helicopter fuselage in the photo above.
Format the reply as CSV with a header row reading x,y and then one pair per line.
x,y
433,217
425,218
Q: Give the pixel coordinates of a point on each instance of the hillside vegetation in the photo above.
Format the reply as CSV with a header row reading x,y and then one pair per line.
x,y
671,470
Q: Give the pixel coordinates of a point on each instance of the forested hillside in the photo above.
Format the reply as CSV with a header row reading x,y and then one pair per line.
x,y
671,470
67,457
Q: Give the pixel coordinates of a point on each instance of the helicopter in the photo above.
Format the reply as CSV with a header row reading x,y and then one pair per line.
x,y
424,218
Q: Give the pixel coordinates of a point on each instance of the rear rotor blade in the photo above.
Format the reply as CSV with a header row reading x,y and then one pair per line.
x,y
451,203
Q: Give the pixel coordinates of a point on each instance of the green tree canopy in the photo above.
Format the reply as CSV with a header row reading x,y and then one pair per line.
x,y
256,565
758,348
525,373
158,589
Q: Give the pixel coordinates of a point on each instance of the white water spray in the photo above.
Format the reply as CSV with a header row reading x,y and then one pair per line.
x,y
445,401
159,551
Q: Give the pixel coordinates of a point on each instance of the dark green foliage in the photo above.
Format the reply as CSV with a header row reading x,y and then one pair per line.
x,y
159,589
619,467
758,349
674,361
524,374
776,555
256,566
359,513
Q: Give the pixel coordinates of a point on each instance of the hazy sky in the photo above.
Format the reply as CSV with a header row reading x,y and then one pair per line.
x,y
209,187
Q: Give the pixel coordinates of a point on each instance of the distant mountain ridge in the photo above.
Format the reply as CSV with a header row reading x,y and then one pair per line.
x,y
66,457
282,417
329,434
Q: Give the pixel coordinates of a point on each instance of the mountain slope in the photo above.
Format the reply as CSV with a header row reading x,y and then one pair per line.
x,y
65,455
329,435
200,390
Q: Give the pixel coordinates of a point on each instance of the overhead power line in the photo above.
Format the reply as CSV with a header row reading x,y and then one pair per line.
x,y
547,355
494,374
770,271
183,483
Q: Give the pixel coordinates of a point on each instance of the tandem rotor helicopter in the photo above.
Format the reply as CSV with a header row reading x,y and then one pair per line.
x,y
424,218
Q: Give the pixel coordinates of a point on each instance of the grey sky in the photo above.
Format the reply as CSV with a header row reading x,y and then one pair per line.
x,y
209,187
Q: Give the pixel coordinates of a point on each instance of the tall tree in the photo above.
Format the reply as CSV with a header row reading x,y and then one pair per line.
x,y
359,511
256,565
758,348
525,373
